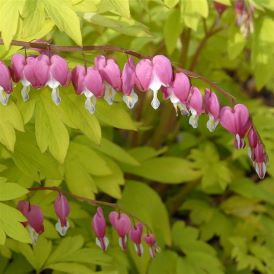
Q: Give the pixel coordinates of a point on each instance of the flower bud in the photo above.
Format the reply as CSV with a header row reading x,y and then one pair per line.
x,y
61,207
99,226
35,219
136,237
212,107
152,244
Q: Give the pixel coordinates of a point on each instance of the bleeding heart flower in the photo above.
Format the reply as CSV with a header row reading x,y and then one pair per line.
x,y
136,236
212,107
5,84
260,160
236,121
128,82
89,82
154,74
111,75
219,7
35,219
151,242
122,224
62,210
195,105
99,226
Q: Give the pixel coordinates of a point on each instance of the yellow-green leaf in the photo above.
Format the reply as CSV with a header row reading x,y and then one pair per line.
x,y
9,191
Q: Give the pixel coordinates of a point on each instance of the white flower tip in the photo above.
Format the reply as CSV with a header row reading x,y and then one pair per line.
x,y
90,105
33,235
109,94
4,97
55,96
131,99
25,93
212,123
139,249
123,242
193,120
102,243
62,230
155,103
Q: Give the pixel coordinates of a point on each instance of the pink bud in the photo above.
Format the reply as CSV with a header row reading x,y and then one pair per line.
x,y
236,121
34,216
136,237
253,137
212,107
88,82
128,82
62,210
99,227
5,83
111,75
122,224
195,105
260,160
151,242
219,7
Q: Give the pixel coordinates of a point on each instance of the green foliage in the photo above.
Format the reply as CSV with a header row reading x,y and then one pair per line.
x,y
198,194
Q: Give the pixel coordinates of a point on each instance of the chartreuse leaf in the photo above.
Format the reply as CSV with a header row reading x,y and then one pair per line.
x,y
10,219
50,131
9,14
199,256
65,18
34,17
169,170
115,115
216,174
11,119
81,163
143,202
37,255
164,263
116,152
2,236
110,184
29,159
10,191
191,12
120,7
76,116
172,30
70,250
171,3
262,50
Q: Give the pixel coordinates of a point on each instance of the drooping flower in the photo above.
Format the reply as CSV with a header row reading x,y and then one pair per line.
x,y
151,242
178,92
18,64
195,105
236,120
154,74
35,219
99,226
61,207
5,83
212,107
51,71
128,81
122,224
111,75
89,82
260,160
136,236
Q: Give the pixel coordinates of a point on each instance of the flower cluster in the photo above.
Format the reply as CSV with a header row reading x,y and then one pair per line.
x,y
119,221
122,225
105,79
